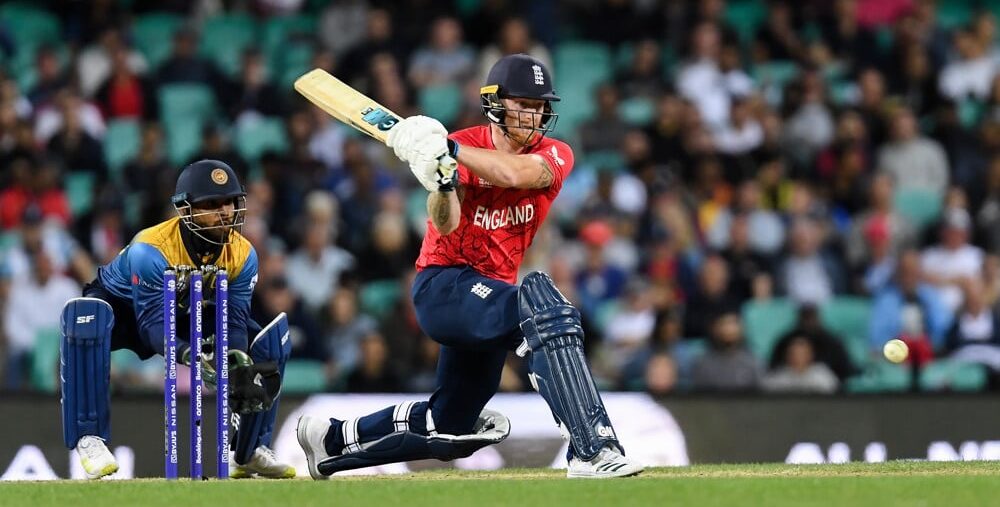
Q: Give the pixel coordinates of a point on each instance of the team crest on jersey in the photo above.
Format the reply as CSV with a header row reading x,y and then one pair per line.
x,y
539,77
481,290
219,176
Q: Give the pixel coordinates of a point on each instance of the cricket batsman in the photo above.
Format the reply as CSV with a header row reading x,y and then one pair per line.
x,y
123,309
481,222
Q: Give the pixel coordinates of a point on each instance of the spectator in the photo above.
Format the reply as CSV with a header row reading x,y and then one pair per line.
x,y
29,311
800,372
150,177
254,93
215,146
808,274
75,148
123,93
700,78
99,62
970,75
713,298
50,77
776,39
598,282
826,348
390,250
908,306
33,184
185,65
879,221
274,297
914,161
644,77
727,365
373,374
445,59
953,261
630,328
749,270
315,269
51,118
743,133
661,374
975,335
606,130
380,38
514,37
346,329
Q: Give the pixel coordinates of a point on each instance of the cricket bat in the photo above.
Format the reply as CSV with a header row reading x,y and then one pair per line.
x,y
352,107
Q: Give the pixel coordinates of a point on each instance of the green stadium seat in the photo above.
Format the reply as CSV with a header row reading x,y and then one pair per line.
x,y
121,143
153,35
290,63
953,14
303,376
774,75
848,317
442,102
921,207
880,377
30,26
604,160
80,191
184,138
969,112
254,137
948,375
45,360
579,67
186,101
765,321
637,111
225,37
379,298
278,31
745,16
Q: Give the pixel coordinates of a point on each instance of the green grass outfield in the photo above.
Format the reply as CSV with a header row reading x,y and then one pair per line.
x,y
957,484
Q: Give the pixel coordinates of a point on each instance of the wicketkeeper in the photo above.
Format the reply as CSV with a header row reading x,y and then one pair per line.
x,y
123,309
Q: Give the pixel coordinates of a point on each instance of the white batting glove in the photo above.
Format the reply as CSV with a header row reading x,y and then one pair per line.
x,y
417,136
434,172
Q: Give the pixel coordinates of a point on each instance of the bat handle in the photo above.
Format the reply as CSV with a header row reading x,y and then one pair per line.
x,y
447,163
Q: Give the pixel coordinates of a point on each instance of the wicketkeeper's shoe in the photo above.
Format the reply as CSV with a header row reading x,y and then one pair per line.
x,y
263,463
311,432
608,463
95,457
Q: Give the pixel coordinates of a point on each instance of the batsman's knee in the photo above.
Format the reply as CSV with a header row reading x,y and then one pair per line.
x,y
545,313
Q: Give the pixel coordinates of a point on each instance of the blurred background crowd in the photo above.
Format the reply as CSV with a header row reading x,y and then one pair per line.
x,y
765,192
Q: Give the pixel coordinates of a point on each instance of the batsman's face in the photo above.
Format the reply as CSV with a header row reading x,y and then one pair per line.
x,y
523,117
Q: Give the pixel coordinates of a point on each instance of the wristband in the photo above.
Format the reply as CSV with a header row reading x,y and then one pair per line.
x,y
453,149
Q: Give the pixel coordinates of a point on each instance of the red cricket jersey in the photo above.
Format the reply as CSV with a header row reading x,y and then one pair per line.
x,y
497,224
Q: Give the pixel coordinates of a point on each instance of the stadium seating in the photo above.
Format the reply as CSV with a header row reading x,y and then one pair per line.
x,y
765,321
579,67
745,16
258,135
185,108
954,14
880,376
609,160
848,318
153,34
949,375
379,298
45,360
225,37
79,187
121,143
442,102
920,207
278,31
303,376
291,62
637,111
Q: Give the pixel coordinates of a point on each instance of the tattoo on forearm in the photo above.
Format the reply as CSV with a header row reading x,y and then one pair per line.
x,y
545,178
442,211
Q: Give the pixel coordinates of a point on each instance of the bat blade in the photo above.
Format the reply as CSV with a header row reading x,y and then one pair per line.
x,y
346,104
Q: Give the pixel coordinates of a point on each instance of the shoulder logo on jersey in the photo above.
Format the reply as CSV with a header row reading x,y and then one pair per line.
x,y
219,176
539,77
481,290
379,117
555,155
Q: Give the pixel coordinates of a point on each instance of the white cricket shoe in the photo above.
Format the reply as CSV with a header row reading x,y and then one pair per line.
x,y
608,463
263,463
310,433
95,457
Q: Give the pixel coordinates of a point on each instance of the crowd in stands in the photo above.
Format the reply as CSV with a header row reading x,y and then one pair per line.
x,y
765,191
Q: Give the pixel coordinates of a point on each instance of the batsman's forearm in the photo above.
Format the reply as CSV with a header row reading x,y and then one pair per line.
x,y
501,169
444,210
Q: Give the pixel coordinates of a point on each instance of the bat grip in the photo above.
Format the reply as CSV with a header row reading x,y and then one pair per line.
x,y
447,163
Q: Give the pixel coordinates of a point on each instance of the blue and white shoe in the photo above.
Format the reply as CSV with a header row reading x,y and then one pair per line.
x,y
608,463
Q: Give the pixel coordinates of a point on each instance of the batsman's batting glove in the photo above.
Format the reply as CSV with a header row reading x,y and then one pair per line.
x,y
253,387
416,136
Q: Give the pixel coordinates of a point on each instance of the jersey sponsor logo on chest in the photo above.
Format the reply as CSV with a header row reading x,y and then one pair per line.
x,y
491,219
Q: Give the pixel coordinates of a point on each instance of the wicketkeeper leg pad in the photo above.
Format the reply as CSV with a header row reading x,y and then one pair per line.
x,y
553,334
271,344
410,443
85,369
